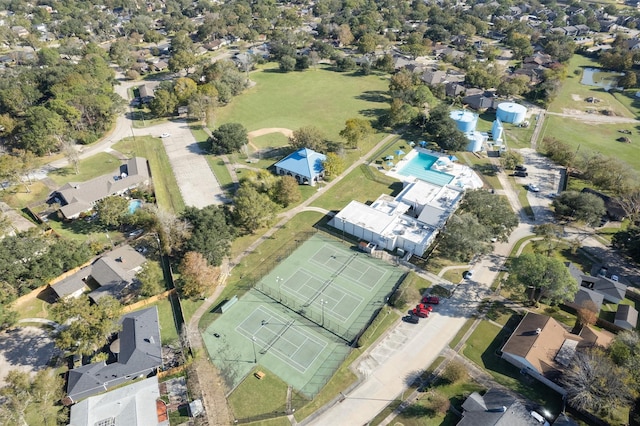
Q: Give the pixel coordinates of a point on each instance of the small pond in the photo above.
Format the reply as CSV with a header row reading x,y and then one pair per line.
x,y
596,77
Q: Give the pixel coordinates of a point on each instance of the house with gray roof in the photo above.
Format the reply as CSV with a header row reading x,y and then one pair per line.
x,y
495,408
305,165
115,272
81,197
610,290
138,353
137,404
72,286
626,317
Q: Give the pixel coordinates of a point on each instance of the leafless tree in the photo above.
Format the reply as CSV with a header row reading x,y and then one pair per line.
x,y
594,383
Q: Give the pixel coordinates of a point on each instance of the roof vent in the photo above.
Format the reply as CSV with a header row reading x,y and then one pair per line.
x,y
538,330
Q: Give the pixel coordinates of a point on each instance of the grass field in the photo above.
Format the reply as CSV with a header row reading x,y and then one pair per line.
x,y
92,167
586,137
355,186
164,182
572,94
322,98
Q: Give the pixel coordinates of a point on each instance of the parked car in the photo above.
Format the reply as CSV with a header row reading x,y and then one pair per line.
x,y
468,274
423,307
533,187
412,319
520,173
165,135
521,168
419,313
434,300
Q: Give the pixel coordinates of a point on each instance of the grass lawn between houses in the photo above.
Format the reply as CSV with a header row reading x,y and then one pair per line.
x,y
89,168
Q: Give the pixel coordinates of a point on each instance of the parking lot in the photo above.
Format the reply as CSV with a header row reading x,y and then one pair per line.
x,y
546,175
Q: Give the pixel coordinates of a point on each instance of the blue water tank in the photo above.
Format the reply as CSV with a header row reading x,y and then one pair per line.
x,y
496,130
475,141
466,121
511,112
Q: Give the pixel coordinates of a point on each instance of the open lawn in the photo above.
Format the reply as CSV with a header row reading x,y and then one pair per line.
x,y
18,197
572,94
89,168
483,166
254,397
483,348
596,138
357,185
164,182
270,140
319,97
168,331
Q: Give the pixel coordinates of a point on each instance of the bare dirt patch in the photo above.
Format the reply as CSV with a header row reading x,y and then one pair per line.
x,y
576,97
266,130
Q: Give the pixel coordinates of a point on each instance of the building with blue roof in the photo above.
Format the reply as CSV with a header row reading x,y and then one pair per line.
x,y
305,165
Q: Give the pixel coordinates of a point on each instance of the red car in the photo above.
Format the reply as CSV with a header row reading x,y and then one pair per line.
x,y
434,300
419,313
423,307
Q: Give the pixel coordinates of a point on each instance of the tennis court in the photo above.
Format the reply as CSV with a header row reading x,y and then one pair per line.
x,y
258,331
331,285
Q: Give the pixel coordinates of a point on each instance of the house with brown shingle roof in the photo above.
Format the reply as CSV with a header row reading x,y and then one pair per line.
x,y
542,347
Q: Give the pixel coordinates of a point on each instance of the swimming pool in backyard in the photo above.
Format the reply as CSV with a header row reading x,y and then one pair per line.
x,y
134,205
420,167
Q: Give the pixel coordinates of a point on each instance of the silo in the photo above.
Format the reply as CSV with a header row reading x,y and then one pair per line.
x,y
465,120
511,112
496,130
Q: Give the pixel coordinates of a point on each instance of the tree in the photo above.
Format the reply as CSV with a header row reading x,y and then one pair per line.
x,y
510,159
560,152
228,138
211,235
628,80
287,191
442,129
367,43
594,383
38,393
628,241
492,211
112,210
581,206
252,209
355,130
550,241
181,60
164,103
89,325
196,275
344,35
41,130
172,230
333,165
588,313
71,153
151,279
184,88
308,137
464,237
346,64
542,277
287,63
454,372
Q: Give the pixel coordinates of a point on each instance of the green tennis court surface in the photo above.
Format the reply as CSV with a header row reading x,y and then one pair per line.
x,y
331,285
300,319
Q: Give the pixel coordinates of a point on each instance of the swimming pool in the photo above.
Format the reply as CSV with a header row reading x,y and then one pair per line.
x,y
134,205
420,167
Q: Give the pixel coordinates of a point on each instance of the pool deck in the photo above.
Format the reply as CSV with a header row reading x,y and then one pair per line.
x,y
464,177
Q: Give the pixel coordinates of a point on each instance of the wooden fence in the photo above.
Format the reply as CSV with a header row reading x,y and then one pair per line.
x,y
148,301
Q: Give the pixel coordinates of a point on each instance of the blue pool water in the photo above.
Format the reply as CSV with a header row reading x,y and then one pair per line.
x,y
134,205
420,167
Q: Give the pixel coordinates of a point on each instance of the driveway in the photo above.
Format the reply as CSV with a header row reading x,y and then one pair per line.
x,y
25,349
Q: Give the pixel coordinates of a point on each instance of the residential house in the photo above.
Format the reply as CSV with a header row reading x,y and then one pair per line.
x,y
137,404
585,297
495,408
433,77
146,93
454,90
626,317
138,351
305,165
612,205
80,197
480,101
115,272
20,31
612,291
541,347
159,66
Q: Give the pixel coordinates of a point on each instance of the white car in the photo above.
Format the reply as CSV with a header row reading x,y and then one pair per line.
x,y
533,188
165,135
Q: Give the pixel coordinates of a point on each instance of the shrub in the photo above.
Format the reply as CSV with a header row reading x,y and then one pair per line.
x,y
454,372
